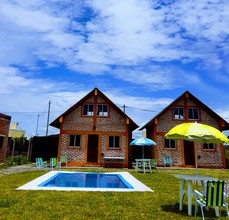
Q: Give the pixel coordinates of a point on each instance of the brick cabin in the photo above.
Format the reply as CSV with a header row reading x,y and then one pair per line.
x,y
4,130
95,132
186,108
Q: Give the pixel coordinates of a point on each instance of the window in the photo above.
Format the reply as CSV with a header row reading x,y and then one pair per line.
x,y
102,110
74,140
193,113
114,142
88,109
170,143
208,146
178,113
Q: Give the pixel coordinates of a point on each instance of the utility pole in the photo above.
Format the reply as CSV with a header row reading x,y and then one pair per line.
x,y
47,128
124,108
37,124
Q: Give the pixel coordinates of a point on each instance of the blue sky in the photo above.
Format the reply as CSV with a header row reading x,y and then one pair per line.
x,y
142,54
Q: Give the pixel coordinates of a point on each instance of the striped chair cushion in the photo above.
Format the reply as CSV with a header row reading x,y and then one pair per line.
x,y
214,194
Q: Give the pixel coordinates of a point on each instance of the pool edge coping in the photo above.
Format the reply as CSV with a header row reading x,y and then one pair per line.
x,y
137,185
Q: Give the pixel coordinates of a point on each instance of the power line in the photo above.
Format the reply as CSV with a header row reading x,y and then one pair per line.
x,y
45,112
141,109
30,113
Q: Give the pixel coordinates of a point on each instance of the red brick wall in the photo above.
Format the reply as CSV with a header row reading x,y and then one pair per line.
x,y
74,154
4,130
212,158
75,123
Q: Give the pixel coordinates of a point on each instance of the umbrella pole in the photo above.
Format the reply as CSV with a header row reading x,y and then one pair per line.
x,y
196,160
142,152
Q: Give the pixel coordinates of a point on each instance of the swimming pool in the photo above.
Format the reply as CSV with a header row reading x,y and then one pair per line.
x,y
97,180
86,181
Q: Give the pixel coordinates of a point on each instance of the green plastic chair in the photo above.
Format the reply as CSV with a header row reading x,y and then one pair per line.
x,y
215,197
40,163
153,163
63,160
54,163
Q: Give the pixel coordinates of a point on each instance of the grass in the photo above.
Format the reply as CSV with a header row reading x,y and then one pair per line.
x,y
163,203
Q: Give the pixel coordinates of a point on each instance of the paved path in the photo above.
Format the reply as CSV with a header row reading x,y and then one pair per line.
x,y
17,169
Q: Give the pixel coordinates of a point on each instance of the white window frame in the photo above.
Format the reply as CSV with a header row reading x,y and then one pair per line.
x,y
115,145
89,111
193,114
168,144
75,140
208,146
100,110
179,116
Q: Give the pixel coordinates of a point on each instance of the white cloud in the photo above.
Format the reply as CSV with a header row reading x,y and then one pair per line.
x,y
155,77
125,33
25,98
31,19
223,112
133,41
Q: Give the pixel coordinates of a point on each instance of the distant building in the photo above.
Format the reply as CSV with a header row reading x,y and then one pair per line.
x,y
4,130
15,132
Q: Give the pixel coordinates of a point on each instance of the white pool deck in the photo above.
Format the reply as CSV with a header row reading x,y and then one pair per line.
x,y
137,185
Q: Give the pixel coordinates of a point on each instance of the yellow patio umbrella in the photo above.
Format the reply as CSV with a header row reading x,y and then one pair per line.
x,y
198,132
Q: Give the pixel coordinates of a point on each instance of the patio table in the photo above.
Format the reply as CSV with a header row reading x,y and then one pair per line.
x,y
189,179
143,163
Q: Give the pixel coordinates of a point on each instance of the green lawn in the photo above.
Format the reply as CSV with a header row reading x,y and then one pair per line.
x,y
163,203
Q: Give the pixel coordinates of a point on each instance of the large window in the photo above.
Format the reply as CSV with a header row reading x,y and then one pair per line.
x,y
170,144
114,142
193,113
88,109
102,110
178,113
74,140
208,146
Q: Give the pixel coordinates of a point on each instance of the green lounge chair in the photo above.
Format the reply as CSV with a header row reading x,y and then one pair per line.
x,y
215,197
54,163
63,161
40,163
153,163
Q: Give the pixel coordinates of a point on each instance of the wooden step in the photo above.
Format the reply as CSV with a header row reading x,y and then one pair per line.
x,y
92,165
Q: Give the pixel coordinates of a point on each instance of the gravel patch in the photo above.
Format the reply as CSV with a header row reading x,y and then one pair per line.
x,y
17,169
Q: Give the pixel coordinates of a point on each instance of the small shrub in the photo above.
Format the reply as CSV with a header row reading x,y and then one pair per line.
x,y
16,160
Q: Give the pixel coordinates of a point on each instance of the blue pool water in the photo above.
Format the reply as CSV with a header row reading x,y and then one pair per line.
x,y
90,180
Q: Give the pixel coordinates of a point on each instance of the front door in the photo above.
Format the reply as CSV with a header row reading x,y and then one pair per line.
x,y
189,155
92,149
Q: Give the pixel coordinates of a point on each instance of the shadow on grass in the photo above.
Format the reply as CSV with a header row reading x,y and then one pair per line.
x,y
175,209
209,214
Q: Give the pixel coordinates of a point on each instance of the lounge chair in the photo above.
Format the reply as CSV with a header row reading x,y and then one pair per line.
x,y
63,161
168,161
153,163
54,163
215,197
40,163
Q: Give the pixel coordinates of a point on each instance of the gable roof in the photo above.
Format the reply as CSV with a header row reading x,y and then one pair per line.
x,y
56,122
5,116
187,94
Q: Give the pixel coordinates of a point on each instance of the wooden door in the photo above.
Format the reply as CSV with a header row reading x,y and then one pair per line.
x,y
189,154
92,149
